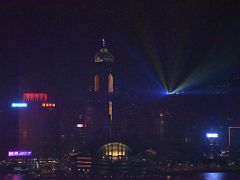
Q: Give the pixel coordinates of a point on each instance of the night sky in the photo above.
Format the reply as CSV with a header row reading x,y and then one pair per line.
x,y
49,46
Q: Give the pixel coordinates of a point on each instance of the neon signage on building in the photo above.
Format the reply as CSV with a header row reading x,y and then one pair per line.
x,y
19,105
212,135
35,97
19,153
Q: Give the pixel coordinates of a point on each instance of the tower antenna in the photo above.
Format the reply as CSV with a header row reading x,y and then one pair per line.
x,y
103,42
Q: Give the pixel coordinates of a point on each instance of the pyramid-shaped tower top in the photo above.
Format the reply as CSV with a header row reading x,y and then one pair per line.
x,y
104,55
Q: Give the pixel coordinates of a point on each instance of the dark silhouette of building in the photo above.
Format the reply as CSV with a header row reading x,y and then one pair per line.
x,y
38,126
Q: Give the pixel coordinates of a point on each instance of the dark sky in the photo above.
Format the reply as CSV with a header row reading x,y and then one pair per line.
x,y
50,45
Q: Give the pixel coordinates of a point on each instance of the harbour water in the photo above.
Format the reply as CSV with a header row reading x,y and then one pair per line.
x,y
185,176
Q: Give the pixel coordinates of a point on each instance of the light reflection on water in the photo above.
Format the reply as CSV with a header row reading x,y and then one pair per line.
x,y
213,176
13,177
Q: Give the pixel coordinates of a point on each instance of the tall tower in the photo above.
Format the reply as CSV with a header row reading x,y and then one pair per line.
x,y
104,89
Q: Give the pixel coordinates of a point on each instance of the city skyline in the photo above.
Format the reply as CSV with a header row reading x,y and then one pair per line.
x,y
119,88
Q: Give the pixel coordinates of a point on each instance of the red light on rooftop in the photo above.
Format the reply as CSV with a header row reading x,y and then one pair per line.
x,y
35,97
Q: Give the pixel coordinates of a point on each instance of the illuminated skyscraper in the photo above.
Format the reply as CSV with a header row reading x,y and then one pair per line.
x,y
102,96
103,86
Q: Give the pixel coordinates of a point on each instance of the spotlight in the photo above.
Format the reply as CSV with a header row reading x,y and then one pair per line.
x,y
171,92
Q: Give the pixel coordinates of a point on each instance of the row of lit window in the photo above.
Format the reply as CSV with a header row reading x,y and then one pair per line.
x,y
115,153
48,104
115,150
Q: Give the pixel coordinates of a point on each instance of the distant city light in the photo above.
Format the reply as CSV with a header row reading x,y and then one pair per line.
x,y
212,135
19,153
81,125
19,105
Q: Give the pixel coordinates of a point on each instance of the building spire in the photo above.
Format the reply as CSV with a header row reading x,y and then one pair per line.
x,y
103,42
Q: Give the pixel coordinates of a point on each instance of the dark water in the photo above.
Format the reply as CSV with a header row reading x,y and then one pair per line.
x,y
191,176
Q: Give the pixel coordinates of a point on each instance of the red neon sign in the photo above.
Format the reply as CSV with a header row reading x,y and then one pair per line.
x,y
35,97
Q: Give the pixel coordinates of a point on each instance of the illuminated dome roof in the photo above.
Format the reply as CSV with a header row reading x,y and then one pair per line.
x,y
104,55
114,151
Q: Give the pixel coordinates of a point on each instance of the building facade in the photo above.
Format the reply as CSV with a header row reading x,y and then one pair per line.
x,y
38,126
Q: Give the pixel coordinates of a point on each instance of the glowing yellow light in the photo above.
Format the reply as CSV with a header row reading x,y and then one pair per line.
x,y
115,151
96,83
110,83
48,104
110,109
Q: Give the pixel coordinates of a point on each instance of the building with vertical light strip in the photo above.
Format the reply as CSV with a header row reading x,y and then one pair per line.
x,y
102,96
